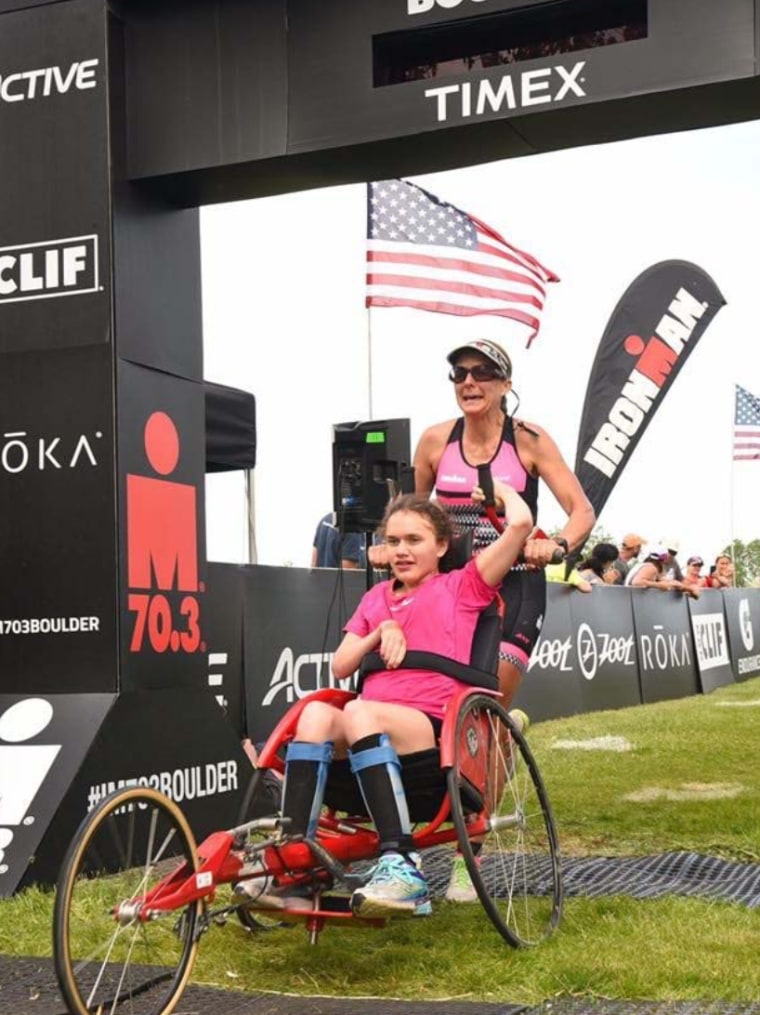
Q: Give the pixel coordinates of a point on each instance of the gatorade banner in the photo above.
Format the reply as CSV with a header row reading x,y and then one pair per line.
x,y
742,608
651,333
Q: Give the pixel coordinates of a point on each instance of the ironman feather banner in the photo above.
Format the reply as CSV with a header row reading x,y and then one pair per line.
x,y
651,332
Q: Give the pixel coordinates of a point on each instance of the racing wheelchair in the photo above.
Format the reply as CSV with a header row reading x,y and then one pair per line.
x,y
136,893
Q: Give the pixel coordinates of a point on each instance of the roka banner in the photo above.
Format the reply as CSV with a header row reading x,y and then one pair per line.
x,y
651,332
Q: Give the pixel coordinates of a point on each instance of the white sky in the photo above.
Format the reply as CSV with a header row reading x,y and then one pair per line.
x,y
284,318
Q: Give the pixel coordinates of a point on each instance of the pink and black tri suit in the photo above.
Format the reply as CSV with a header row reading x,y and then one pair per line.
x,y
523,591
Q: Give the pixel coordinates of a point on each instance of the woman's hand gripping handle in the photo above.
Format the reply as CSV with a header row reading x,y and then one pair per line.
x,y
539,549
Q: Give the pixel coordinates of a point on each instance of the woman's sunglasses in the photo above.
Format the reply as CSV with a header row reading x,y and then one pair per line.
x,y
480,372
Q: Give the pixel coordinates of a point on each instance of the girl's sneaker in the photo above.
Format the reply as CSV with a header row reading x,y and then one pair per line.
x,y
396,887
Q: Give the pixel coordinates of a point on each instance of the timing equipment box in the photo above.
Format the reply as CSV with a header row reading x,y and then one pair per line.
x,y
371,463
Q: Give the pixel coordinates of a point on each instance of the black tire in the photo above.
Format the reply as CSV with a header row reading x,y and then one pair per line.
x,y
517,875
133,839
258,923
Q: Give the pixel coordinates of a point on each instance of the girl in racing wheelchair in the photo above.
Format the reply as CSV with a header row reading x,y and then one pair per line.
x,y
399,711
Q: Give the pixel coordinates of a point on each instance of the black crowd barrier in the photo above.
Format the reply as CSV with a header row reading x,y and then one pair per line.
x,y
276,629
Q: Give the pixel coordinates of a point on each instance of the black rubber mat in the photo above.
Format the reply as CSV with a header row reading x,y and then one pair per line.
x,y
27,987
210,1002
642,877
677,873
580,1006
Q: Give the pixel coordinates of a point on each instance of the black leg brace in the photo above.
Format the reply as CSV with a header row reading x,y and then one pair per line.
x,y
375,764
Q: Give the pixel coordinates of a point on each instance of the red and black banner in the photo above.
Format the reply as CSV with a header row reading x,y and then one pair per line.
x,y
651,332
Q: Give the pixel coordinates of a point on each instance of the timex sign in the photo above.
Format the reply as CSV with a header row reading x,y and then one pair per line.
x,y
36,271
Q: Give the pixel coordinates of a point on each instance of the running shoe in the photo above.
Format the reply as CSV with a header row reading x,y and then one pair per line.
x,y
521,722
253,883
461,888
520,719
395,888
259,890
261,893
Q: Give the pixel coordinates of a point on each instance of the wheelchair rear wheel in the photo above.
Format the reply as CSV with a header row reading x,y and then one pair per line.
x,y
106,957
516,869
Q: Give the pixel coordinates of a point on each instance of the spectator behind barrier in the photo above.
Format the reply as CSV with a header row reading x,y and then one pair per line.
x,y
693,577
558,573
630,548
721,574
599,568
333,548
672,567
650,574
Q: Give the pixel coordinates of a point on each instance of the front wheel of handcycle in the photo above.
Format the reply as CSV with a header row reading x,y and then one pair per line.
x,y
515,865
109,956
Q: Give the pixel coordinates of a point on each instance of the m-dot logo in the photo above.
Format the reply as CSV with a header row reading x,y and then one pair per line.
x,y
23,766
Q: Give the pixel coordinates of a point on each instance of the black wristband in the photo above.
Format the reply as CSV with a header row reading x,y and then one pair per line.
x,y
561,541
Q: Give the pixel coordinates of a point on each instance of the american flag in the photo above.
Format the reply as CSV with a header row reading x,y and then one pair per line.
x,y
425,253
746,426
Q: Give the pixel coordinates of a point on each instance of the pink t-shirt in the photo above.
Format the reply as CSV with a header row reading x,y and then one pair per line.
x,y
438,616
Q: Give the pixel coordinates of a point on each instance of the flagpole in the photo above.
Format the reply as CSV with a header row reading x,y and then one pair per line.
x,y
369,361
733,482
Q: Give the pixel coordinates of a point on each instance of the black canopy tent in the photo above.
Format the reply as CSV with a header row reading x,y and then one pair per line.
x,y
231,441
230,428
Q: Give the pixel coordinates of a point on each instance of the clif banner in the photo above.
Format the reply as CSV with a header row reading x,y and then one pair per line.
x,y
653,329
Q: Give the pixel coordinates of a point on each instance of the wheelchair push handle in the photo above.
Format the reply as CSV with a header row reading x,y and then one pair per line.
x,y
558,557
485,482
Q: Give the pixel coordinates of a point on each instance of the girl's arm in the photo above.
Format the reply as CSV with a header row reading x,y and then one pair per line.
x,y
495,560
388,635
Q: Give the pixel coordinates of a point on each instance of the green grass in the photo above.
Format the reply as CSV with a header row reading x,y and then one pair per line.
x,y
694,748
682,753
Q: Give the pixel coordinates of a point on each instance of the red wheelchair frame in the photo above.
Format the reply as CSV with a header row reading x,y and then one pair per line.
x,y
130,937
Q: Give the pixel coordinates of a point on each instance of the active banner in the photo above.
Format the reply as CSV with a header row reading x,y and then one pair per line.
x,y
293,622
651,332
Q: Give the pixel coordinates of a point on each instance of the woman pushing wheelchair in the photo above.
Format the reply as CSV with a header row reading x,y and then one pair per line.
x,y
400,711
